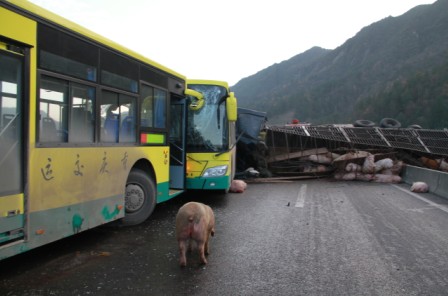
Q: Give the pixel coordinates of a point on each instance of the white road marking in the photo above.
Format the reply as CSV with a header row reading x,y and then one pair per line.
x,y
300,202
440,207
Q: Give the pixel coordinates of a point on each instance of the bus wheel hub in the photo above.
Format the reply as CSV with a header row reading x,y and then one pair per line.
x,y
135,198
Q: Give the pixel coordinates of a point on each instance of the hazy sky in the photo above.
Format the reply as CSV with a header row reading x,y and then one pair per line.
x,y
226,39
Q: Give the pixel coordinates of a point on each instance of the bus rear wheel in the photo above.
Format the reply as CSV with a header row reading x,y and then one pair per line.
x,y
140,199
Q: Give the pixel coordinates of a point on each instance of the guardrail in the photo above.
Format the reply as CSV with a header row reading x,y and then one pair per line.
x,y
437,181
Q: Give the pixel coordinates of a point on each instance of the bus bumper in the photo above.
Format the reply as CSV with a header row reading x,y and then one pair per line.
x,y
218,183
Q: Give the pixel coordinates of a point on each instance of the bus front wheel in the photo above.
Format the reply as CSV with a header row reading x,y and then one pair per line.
x,y
140,199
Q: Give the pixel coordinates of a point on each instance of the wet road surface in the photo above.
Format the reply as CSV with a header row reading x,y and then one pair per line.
x,y
312,237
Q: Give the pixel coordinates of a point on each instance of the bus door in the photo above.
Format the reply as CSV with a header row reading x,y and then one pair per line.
x,y
177,142
12,139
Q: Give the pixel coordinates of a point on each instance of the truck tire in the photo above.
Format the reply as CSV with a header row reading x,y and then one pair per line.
x,y
415,126
389,123
140,198
364,123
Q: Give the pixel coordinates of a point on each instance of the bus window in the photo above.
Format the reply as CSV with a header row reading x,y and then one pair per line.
x,y
153,107
160,108
10,124
66,54
110,115
118,123
53,110
128,119
81,114
119,72
147,109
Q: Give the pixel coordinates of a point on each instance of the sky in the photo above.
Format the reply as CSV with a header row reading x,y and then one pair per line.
x,y
226,39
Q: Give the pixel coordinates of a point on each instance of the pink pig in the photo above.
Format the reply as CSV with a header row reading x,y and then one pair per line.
x,y
420,187
194,222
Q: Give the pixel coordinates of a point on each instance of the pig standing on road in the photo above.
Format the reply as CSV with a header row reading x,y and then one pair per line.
x,y
194,222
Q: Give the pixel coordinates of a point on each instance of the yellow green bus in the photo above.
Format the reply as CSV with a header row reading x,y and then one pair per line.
x,y
211,146
90,132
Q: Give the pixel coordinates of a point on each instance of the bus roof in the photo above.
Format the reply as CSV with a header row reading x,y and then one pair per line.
x,y
208,82
39,12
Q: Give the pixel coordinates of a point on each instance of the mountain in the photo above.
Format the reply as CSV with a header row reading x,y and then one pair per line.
x,y
396,67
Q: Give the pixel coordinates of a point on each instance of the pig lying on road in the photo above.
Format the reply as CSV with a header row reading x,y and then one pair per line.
x,y
194,222
420,187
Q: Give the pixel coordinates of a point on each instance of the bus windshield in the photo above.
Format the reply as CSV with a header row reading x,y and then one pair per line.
x,y
207,131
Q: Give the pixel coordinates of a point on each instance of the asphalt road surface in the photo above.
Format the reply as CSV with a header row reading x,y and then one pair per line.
x,y
314,237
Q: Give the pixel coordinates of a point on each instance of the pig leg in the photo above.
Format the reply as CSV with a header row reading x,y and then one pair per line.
x,y
201,247
206,248
206,251
182,252
190,246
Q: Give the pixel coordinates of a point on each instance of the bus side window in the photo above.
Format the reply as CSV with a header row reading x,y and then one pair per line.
x,y
128,122
160,108
118,118
53,110
48,130
147,110
153,107
82,124
81,128
127,131
111,124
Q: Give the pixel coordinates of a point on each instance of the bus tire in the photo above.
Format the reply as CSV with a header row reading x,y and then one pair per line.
x,y
389,123
140,198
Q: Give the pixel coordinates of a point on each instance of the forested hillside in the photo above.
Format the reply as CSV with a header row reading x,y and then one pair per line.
x,y
396,67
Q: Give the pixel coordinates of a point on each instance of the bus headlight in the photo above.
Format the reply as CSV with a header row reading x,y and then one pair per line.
x,y
215,172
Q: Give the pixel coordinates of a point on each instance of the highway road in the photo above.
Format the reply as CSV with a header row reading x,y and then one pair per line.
x,y
313,237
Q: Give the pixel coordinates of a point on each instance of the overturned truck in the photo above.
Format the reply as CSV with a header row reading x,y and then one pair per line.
x,y
353,153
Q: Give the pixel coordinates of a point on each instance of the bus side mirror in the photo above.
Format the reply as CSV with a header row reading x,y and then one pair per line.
x,y
198,101
231,106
